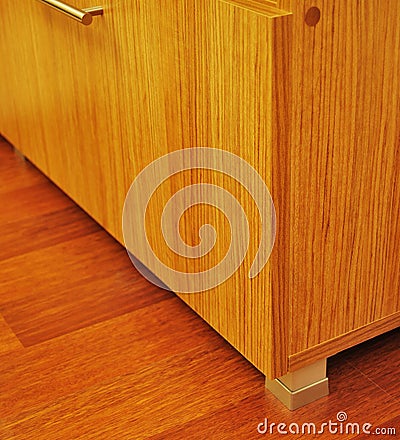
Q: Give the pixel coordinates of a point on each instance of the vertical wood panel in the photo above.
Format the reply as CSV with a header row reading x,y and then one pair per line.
x,y
345,169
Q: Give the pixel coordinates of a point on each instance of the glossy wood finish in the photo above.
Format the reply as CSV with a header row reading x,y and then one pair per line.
x,y
312,108
342,342
345,170
155,370
121,62
8,340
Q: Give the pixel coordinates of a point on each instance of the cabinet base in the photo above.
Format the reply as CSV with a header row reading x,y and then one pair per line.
x,y
301,387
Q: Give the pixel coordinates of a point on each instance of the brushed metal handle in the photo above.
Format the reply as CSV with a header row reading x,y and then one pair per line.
x,y
84,16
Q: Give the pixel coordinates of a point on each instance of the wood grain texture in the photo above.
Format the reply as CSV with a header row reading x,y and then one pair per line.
x,y
154,371
376,369
190,88
207,95
312,108
345,167
342,342
8,340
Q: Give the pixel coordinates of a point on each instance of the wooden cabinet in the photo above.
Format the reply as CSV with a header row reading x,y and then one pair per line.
x,y
309,98
21,116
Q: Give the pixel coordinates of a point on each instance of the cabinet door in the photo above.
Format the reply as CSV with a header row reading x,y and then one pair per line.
x,y
60,97
20,111
91,106
148,78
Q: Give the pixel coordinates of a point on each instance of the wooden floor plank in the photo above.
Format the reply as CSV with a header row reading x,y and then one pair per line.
x,y
23,236
15,171
147,402
71,285
379,361
350,393
8,339
389,429
79,360
29,202
150,403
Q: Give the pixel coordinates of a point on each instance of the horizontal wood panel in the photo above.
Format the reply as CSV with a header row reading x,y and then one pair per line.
x,y
342,342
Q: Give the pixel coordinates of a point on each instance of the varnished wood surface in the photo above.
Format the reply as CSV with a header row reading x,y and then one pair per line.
x,y
117,96
8,339
342,342
345,168
312,108
137,364
379,372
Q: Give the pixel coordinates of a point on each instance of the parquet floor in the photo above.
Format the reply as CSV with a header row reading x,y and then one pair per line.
x,y
90,350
